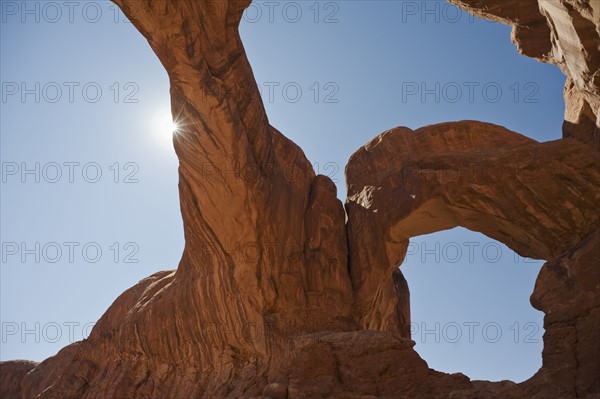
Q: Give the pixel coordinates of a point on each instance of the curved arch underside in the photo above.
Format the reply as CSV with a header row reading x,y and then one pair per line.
x,y
472,174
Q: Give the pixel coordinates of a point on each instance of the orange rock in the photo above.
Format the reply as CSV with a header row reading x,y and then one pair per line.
x,y
561,32
277,294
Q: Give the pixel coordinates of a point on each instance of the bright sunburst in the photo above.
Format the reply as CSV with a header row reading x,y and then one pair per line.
x,y
163,127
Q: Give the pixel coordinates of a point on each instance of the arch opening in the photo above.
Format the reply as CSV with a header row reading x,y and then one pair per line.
x,y
469,306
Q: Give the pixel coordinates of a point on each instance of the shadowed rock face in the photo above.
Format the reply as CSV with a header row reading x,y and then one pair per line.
x,y
277,295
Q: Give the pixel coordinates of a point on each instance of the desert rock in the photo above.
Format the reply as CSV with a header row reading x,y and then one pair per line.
x,y
279,292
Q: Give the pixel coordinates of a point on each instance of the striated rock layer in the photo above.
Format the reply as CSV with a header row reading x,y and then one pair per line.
x,y
279,293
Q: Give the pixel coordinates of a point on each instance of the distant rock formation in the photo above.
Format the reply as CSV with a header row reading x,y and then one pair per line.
x,y
278,296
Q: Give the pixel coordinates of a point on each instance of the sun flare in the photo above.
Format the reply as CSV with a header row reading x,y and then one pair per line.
x,y
164,127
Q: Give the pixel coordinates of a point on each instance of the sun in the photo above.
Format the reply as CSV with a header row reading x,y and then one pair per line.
x,y
164,127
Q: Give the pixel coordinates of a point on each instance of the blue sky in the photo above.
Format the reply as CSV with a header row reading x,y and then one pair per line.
x,y
340,73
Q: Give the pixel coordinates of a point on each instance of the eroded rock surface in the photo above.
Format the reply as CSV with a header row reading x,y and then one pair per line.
x,y
562,32
486,178
278,295
11,374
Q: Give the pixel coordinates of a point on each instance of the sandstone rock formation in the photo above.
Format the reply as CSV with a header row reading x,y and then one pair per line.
x,y
278,295
486,178
11,374
561,32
